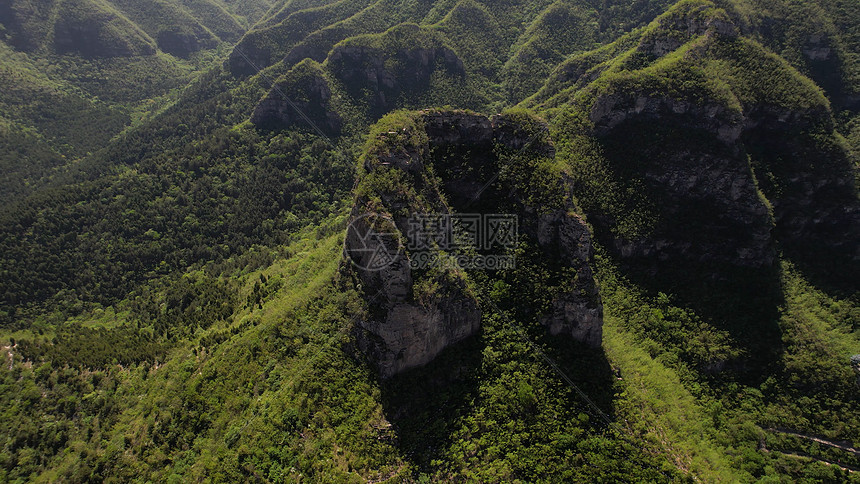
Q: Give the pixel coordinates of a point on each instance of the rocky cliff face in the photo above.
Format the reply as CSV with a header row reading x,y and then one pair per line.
x,y
689,152
612,110
372,74
560,234
708,209
405,332
382,78
419,311
855,364
183,44
686,22
302,97
577,312
810,182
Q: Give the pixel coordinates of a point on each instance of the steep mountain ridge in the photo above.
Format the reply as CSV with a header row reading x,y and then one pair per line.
x,y
692,71
366,75
96,28
429,164
77,73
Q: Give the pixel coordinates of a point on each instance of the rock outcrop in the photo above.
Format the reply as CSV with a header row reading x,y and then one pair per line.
x,y
578,312
404,332
302,98
372,74
382,78
183,44
855,365
705,198
418,310
817,48
611,110
684,23
708,206
810,182
562,235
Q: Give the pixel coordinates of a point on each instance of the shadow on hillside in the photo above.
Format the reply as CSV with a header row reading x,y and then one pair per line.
x,y
690,236
810,185
835,271
426,405
745,302
590,371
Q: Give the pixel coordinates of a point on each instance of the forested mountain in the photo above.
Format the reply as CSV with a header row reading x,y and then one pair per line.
x,y
183,295
77,73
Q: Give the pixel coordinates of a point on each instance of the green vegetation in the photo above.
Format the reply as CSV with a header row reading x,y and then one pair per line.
x,y
25,158
562,29
72,121
476,36
809,388
60,105
278,183
272,41
173,304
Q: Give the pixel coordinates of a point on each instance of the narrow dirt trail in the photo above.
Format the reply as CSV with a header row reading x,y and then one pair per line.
x,y
812,438
805,456
8,350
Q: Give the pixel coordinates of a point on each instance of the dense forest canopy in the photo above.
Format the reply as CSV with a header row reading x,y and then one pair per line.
x,y
178,177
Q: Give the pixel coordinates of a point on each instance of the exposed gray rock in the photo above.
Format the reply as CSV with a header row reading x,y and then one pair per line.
x,y
817,48
741,230
811,185
738,227
285,103
385,78
577,312
769,116
408,330
457,128
413,335
463,128
374,247
675,31
408,157
611,110
405,332
855,364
